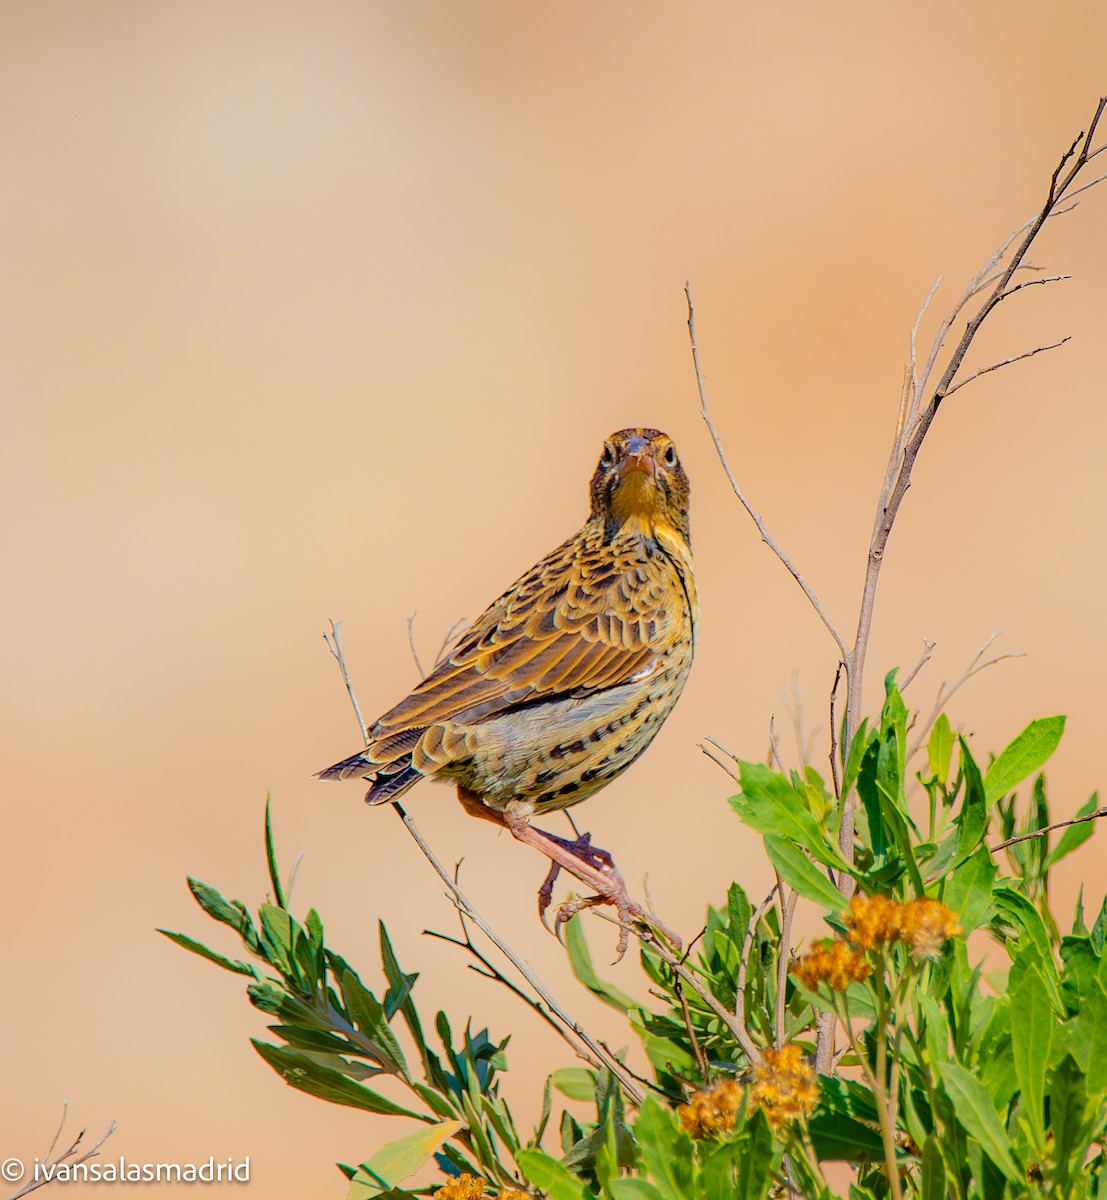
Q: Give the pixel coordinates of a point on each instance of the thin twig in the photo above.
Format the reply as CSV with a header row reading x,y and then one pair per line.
x,y
1037,833
834,733
411,642
1006,362
924,658
787,910
697,1049
717,761
334,645
946,694
744,957
766,537
774,749
42,1177
448,640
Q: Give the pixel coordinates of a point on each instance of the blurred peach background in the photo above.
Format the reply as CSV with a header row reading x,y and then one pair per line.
x,y
323,310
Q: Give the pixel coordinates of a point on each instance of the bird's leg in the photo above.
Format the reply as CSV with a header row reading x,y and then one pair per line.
x,y
592,866
588,863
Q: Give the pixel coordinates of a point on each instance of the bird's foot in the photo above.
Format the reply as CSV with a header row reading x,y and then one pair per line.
x,y
597,868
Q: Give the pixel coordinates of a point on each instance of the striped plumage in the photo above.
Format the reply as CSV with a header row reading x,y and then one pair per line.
x,y
564,680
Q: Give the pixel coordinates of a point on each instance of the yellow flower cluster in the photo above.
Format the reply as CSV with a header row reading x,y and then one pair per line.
x,y
711,1112
834,963
471,1187
785,1086
462,1187
922,925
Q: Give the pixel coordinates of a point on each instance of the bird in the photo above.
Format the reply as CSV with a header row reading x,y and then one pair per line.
x,y
565,679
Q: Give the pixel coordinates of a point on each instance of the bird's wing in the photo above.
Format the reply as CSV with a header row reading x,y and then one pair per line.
x,y
586,617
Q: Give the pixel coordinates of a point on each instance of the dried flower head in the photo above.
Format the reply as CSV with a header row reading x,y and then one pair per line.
x,y
785,1086
926,924
462,1187
513,1194
831,962
713,1111
873,921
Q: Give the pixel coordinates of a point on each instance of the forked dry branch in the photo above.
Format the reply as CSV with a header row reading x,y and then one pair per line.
x,y
920,400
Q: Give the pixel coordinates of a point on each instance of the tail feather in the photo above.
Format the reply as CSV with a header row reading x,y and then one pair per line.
x,y
389,780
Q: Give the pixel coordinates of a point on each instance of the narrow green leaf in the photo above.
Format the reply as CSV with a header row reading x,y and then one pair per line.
x,y
1076,835
665,1149
1032,1023
580,959
1025,755
578,1083
968,889
978,1117
398,1160
557,1181
271,856
972,819
220,960
367,1014
755,1167
300,1071
934,1185
939,749
798,872
633,1189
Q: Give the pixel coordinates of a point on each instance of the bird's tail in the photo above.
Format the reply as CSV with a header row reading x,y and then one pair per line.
x,y
389,780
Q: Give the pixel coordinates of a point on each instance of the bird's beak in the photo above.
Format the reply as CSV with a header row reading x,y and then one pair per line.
x,y
637,457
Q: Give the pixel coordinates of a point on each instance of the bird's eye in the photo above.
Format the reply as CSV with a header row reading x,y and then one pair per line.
x,y
608,457
669,456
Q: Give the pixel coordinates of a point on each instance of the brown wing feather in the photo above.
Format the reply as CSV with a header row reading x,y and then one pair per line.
x,y
575,622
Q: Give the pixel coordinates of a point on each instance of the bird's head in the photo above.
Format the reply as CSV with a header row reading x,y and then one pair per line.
x,y
639,480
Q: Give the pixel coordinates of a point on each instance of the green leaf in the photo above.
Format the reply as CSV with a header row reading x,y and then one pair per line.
x,y
665,1149
857,749
578,1083
398,1160
633,1189
300,1071
972,820
557,1181
279,932
978,1117
367,1014
271,856
755,1168
939,749
1032,1023
1069,1121
1075,835
739,910
213,903
220,960
1025,755
580,959
934,1186
797,870
771,806
968,889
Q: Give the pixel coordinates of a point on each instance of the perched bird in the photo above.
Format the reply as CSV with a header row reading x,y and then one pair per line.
x,y
561,683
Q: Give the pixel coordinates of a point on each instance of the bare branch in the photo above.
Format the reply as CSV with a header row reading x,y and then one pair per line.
x,y
334,645
1007,361
411,642
766,537
774,749
68,1157
924,658
834,733
946,694
1037,833
717,761
787,912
